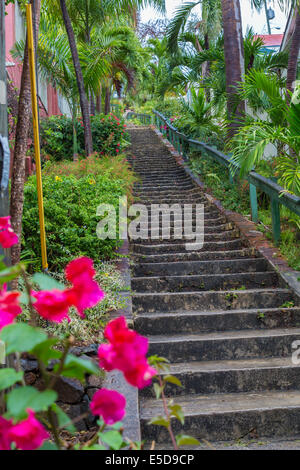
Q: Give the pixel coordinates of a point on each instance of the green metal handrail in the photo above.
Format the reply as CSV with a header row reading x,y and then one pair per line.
x,y
116,108
144,118
278,195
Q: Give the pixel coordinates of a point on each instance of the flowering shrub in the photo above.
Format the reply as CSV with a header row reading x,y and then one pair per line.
x,y
32,419
70,204
109,136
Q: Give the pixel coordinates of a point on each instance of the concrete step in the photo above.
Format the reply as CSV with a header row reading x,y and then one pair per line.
x,y
205,282
162,248
168,182
201,267
240,376
195,256
212,301
184,198
160,187
209,229
205,322
157,191
228,416
211,215
156,236
226,345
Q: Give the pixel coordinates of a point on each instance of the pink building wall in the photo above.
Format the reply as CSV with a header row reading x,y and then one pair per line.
x,y
15,71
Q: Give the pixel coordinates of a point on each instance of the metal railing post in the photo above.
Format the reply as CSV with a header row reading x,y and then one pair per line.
x,y
275,210
253,202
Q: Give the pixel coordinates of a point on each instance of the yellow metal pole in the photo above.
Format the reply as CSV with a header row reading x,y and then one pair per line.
x,y
36,134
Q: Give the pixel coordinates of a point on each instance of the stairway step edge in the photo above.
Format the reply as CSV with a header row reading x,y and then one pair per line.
x,y
231,291
217,404
234,365
223,335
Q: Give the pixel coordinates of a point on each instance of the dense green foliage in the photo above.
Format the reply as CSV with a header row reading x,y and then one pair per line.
x,y
109,136
70,200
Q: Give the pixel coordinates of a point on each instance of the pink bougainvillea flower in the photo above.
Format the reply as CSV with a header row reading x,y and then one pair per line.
x,y
52,305
121,337
6,319
141,375
85,292
28,434
5,427
9,307
78,268
126,352
109,404
4,222
9,301
8,237
85,295
107,357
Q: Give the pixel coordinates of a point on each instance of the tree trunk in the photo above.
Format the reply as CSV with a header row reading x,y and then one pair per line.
x,y
207,70
234,62
99,103
84,104
293,57
21,143
92,104
107,100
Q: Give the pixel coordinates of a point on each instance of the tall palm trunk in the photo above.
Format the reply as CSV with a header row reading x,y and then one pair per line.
x,y
293,57
107,100
234,61
99,102
84,104
21,142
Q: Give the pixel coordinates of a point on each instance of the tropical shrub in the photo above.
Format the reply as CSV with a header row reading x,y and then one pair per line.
x,y
109,136
170,107
71,198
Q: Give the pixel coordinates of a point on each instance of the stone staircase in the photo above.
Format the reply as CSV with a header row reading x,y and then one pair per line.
x,y
223,318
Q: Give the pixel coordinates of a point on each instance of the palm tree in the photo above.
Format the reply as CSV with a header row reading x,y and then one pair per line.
x,y
233,46
294,55
234,61
88,141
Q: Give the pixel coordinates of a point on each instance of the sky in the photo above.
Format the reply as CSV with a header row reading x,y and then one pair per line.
x,y
249,18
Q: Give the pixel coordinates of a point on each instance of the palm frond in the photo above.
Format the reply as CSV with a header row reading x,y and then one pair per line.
x,y
178,22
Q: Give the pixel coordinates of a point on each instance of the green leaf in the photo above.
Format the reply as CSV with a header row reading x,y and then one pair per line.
x,y
63,419
46,282
28,397
177,412
2,264
9,377
183,440
44,350
157,389
154,360
9,274
95,447
173,380
159,421
20,337
113,439
24,298
49,446
116,426
77,368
